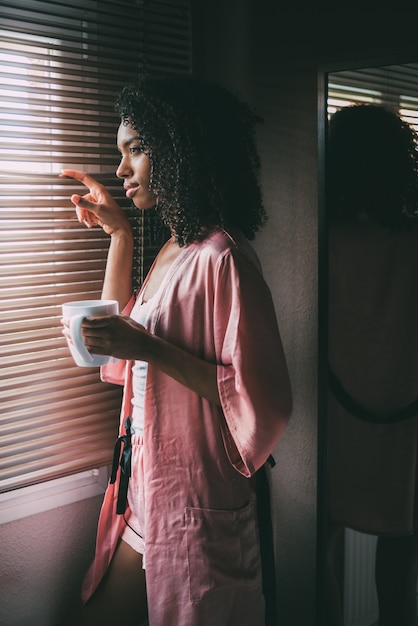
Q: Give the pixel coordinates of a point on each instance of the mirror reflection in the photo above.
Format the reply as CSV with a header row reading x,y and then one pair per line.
x,y
372,212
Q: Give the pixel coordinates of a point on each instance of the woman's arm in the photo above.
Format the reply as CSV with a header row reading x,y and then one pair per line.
x,y
122,337
117,284
198,375
98,208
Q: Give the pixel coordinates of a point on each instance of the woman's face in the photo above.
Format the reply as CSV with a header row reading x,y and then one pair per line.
x,y
134,168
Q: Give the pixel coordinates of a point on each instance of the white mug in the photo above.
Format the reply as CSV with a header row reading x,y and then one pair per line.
x,y
75,312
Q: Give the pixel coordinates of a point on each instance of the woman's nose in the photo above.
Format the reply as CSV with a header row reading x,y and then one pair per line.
x,y
123,169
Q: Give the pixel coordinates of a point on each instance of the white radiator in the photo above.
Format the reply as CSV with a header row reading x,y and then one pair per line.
x,y
360,600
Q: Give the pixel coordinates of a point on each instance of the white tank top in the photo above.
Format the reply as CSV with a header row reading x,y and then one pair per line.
x,y
140,314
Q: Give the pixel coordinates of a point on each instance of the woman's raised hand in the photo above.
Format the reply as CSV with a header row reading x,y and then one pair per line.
x,y
97,207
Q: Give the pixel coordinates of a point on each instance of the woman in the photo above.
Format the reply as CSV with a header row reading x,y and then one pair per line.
x,y
206,387
373,348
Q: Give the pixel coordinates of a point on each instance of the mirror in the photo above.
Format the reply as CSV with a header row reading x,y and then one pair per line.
x,y
372,423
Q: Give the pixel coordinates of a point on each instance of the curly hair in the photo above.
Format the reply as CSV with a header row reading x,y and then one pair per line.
x,y
372,166
204,162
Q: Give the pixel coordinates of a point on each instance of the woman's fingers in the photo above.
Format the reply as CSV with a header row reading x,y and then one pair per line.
x,y
85,211
97,207
115,335
66,329
101,321
87,205
83,178
98,333
83,202
96,190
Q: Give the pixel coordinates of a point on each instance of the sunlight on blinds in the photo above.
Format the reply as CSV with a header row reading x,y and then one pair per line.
x,y
394,87
18,70
61,67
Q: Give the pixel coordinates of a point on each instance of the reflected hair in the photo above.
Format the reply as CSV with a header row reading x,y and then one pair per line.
x,y
372,166
201,140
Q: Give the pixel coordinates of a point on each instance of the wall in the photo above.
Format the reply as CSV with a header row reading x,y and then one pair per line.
x,y
288,251
42,560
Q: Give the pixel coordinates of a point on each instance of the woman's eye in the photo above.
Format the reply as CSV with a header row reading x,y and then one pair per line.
x,y
135,150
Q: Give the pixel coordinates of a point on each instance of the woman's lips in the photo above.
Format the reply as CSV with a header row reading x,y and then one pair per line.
x,y
130,190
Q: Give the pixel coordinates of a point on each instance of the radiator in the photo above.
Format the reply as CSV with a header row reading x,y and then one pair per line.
x,y
360,600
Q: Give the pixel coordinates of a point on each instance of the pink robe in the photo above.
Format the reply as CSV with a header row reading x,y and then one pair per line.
x,y
202,547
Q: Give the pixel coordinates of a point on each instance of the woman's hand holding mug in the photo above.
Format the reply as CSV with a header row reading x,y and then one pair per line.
x,y
73,315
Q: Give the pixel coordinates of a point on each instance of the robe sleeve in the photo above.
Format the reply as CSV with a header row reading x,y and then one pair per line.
x,y
252,374
115,371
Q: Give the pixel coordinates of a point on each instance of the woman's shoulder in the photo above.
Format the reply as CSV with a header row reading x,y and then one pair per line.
x,y
219,243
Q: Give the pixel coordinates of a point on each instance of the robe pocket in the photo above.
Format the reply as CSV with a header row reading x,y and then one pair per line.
x,y
222,549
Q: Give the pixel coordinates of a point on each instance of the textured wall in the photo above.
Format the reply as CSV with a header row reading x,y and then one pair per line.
x,y
42,561
288,251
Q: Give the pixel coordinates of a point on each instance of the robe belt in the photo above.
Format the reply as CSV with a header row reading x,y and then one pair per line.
x,y
124,462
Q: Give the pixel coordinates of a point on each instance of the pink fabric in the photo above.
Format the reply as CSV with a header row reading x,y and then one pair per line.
x,y
133,533
203,561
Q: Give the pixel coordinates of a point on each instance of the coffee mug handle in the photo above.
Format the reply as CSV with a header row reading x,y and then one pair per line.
x,y
75,330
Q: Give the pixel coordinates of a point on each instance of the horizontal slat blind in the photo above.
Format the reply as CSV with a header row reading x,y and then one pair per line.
x,y
61,66
393,86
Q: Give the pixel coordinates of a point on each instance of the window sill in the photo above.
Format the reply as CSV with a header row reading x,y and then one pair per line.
x,y
28,501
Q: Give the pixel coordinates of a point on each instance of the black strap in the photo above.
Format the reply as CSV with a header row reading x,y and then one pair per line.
x,y
361,412
268,565
124,462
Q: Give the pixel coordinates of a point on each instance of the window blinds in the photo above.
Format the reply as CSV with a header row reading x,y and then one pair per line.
x,y
392,86
61,66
